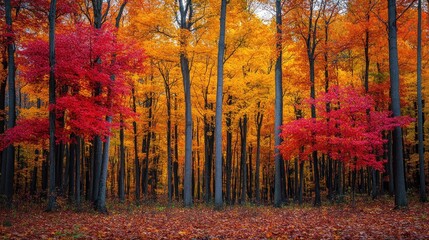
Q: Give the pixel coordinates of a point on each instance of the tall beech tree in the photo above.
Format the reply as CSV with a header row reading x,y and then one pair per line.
x,y
278,106
397,148
219,103
185,21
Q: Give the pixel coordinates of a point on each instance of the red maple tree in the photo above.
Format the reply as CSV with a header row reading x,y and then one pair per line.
x,y
348,129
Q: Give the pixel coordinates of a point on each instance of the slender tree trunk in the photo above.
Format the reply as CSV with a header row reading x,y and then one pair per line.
x,y
176,157
147,144
198,162
228,153
185,22
121,182
259,118
136,158
250,177
317,199
78,171
366,51
71,171
219,102
60,153
208,153
243,135
10,151
169,149
301,182
101,201
422,188
278,115
3,159
187,197
52,117
97,6
398,160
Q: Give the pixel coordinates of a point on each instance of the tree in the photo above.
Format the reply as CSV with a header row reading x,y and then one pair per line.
x,y
350,136
422,188
278,106
185,23
52,102
398,159
219,102
10,154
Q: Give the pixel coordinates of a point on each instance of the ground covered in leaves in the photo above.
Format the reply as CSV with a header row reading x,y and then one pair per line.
x,y
366,220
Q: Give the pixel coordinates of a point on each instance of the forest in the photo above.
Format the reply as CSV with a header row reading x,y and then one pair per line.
x,y
273,111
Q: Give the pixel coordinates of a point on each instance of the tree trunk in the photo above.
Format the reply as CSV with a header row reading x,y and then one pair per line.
x,y
219,102
71,171
176,158
121,182
198,162
208,150
398,161
52,117
169,149
228,153
187,197
136,158
278,115
259,118
146,144
98,150
10,151
317,199
78,171
3,159
101,201
243,136
301,182
422,188
250,177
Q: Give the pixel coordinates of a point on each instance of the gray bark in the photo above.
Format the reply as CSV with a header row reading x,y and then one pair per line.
x,y
101,201
278,115
398,160
219,101
185,22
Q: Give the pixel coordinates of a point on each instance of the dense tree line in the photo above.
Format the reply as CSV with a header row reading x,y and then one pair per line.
x,y
203,101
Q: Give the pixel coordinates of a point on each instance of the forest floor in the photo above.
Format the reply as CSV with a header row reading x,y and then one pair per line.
x,y
366,220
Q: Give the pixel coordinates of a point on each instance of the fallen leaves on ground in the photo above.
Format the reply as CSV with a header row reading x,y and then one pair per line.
x,y
367,220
